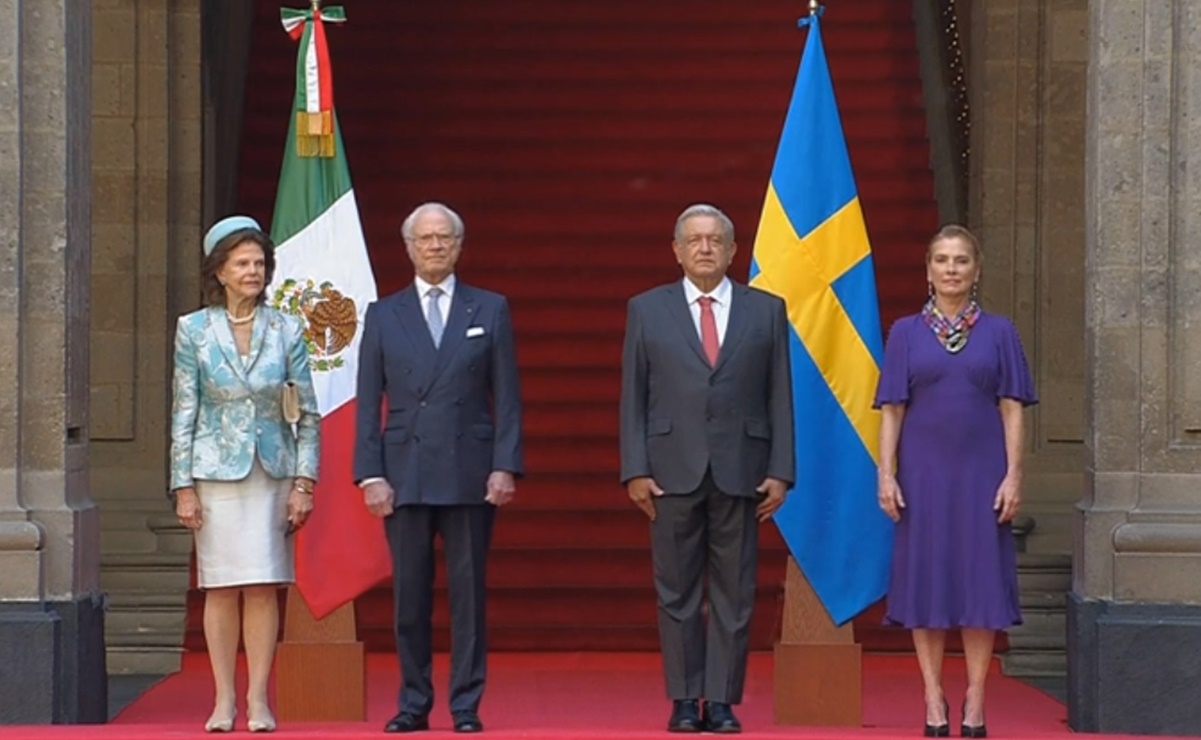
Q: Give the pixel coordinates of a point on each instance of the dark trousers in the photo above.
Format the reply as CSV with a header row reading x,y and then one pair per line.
x,y
466,532
692,533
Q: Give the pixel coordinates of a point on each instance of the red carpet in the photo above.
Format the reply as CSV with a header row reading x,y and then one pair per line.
x,y
579,696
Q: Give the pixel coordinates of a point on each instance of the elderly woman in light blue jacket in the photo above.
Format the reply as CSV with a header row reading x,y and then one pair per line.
x,y
242,474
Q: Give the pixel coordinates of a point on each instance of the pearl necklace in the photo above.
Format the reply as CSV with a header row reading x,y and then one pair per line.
x,y
244,320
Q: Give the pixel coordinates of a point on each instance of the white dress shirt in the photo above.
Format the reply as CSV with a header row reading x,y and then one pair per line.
x,y
423,292
721,305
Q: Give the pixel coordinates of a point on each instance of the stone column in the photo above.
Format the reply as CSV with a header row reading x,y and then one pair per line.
x,y
52,666
1134,616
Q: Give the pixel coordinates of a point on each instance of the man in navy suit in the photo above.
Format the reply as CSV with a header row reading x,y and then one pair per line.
x,y
442,459
706,453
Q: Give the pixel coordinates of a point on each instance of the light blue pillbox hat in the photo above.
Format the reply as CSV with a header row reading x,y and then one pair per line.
x,y
224,228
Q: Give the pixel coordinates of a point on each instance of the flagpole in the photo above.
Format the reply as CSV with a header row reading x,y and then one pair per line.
x,y
832,695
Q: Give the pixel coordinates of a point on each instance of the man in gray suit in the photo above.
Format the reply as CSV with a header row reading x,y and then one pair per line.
x,y
707,453
442,459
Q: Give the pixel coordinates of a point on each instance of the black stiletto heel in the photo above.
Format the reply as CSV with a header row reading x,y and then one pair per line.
x,y
943,730
966,730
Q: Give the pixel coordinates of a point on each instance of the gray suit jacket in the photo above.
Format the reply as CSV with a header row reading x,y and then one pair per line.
x,y
453,412
680,417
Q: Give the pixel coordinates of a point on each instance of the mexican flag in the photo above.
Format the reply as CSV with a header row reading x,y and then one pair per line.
x,y
324,276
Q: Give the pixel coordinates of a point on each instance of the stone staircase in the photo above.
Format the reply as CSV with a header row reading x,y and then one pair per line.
x,y
1038,647
147,601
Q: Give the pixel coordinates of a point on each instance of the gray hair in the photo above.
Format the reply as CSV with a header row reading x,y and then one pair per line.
x,y
704,209
456,222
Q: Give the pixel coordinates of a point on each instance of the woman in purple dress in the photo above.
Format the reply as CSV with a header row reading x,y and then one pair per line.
x,y
951,395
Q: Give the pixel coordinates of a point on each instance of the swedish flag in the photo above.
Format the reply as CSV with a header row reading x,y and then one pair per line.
x,y
812,249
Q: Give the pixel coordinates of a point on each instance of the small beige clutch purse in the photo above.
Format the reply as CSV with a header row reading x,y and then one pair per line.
x,y
290,402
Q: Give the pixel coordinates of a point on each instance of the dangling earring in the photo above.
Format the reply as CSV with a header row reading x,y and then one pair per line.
x,y
975,292
929,289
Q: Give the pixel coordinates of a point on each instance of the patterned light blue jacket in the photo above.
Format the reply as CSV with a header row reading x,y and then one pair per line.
x,y
224,410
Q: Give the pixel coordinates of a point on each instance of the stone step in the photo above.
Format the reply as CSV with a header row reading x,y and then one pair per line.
x,y
145,572
130,628
115,517
153,661
172,536
1046,574
127,540
1053,601
1039,631
1045,581
1034,663
1045,561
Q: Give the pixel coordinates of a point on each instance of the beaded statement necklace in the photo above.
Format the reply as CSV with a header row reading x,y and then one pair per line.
x,y
952,333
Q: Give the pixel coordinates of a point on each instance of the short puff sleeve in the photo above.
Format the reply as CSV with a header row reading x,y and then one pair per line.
x,y
893,387
1014,379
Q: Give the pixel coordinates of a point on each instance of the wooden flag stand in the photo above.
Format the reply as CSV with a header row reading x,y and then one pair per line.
x,y
320,668
818,665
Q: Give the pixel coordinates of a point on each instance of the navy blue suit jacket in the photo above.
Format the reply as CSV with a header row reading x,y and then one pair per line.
x,y
453,412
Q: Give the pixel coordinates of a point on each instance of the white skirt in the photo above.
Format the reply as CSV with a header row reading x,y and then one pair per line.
x,y
242,540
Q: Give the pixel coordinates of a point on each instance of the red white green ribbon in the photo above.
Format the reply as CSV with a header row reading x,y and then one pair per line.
x,y
314,102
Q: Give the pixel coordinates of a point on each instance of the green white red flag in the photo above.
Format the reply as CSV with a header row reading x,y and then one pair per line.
x,y
323,275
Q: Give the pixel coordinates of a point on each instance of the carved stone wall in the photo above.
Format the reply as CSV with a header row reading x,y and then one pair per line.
x,y
1027,68
146,166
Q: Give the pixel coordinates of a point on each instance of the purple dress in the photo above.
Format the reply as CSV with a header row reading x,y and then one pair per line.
x,y
952,564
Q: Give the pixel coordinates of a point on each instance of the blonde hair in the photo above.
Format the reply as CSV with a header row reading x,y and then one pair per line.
x,y
955,231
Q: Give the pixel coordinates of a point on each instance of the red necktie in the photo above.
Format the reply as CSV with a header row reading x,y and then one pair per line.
x,y
708,329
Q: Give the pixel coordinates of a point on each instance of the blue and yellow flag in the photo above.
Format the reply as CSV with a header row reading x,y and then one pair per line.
x,y
812,250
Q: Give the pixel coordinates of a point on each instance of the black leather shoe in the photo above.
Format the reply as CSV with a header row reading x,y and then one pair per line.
x,y
467,722
685,716
720,718
407,722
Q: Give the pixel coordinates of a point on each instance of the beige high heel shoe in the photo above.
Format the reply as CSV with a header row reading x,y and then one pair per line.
x,y
262,721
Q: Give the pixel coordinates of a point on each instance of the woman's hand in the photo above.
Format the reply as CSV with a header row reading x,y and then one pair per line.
x,y
1009,498
300,503
187,508
889,496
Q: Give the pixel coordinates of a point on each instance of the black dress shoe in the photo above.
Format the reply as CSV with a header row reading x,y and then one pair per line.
x,y
720,718
407,722
685,716
467,722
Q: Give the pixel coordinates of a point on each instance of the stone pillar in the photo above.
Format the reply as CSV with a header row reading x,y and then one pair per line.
x,y
52,663
1134,620
1026,190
